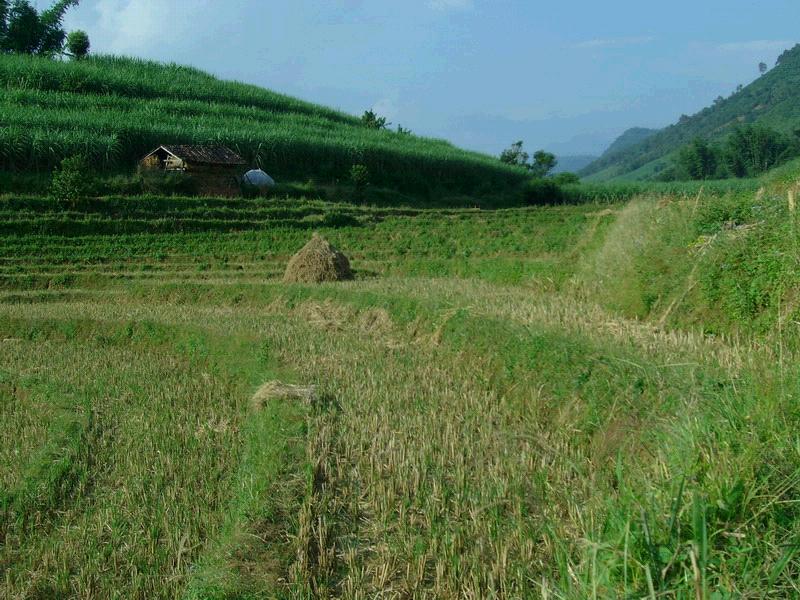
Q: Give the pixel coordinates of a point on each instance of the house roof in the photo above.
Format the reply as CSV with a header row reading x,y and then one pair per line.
x,y
203,155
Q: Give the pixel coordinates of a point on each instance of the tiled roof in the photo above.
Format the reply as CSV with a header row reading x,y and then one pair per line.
x,y
206,155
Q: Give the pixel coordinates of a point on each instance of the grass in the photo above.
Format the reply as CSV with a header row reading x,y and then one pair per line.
x,y
562,402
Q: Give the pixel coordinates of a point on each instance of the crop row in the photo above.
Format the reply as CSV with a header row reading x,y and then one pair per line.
x,y
145,79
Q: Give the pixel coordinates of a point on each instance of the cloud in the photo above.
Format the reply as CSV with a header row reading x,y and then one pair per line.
x,y
134,23
133,26
754,46
445,5
614,42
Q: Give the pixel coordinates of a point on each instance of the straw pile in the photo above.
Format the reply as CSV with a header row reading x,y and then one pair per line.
x,y
317,262
279,391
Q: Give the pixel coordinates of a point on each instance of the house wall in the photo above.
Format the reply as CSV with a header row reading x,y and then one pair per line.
x,y
150,162
216,181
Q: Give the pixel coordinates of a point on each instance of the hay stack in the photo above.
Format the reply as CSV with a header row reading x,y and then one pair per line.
x,y
316,262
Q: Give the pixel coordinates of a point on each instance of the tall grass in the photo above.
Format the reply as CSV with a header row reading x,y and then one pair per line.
x,y
623,191
114,110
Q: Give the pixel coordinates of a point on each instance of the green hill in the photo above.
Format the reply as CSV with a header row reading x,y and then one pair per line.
x,y
116,109
628,139
771,101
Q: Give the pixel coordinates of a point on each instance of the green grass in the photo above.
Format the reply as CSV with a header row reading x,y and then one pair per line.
x,y
581,401
620,191
114,110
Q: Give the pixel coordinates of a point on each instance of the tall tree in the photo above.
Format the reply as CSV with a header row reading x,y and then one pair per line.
x,y
52,21
698,160
543,163
515,155
3,20
23,30
753,149
762,67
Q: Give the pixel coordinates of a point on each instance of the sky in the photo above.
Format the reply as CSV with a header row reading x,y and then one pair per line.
x,y
567,76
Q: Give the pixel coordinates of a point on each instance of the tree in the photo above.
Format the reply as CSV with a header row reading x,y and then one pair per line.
x,y
543,163
786,54
78,44
26,31
698,160
3,20
371,120
23,29
762,67
515,155
52,20
751,150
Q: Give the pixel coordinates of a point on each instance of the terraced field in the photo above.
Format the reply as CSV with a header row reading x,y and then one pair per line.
x,y
511,404
113,110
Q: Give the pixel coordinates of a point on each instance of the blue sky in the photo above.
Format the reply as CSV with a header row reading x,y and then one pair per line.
x,y
567,76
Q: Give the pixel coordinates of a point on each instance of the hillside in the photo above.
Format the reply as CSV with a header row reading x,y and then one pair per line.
x,y
771,100
116,109
628,139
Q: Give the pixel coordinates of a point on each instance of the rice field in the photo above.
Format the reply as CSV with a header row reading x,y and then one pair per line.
x,y
555,402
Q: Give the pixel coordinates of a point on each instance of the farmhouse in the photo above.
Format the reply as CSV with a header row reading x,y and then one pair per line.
x,y
216,170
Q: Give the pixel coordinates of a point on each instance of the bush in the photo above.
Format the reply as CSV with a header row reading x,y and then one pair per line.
x,y
72,180
542,191
359,175
566,178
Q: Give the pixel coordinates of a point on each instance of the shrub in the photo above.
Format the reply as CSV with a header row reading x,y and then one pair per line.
x,y
566,178
72,180
371,120
359,175
542,191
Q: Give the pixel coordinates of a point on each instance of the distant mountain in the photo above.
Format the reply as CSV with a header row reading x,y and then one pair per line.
x,y
771,100
573,164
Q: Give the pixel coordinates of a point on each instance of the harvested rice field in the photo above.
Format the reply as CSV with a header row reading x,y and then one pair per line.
x,y
595,401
